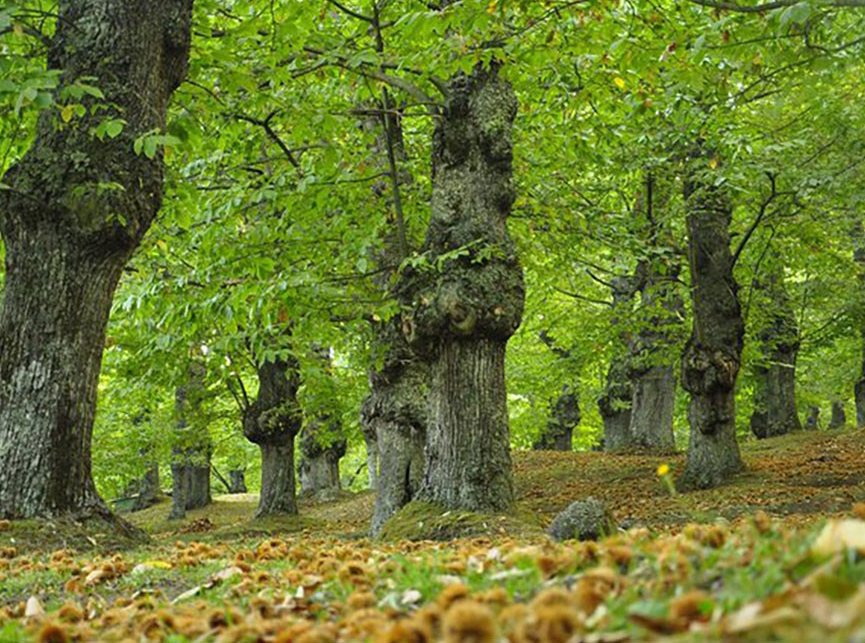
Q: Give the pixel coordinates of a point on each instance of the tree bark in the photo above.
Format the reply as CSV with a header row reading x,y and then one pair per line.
x,y
564,418
190,455
67,237
397,413
775,375
464,303
320,455
812,422
237,481
712,355
615,404
661,310
272,421
839,417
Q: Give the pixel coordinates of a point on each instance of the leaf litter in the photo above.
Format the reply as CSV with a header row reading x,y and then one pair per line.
x,y
683,567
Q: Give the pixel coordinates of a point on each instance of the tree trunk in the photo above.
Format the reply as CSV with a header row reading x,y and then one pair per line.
x,y
319,463
148,487
460,314
397,413
190,455
565,416
652,410
839,417
67,238
660,315
272,421
615,405
237,481
859,258
712,355
775,374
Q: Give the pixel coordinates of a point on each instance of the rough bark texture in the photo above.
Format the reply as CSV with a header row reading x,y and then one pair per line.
x,y
67,239
272,421
190,455
775,374
653,377
839,417
464,304
712,355
397,412
565,415
660,315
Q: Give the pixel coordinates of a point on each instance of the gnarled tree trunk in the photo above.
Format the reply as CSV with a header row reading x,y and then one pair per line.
x,y
271,422
839,418
712,355
461,313
67,237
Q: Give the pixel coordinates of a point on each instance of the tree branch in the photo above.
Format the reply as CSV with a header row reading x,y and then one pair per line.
x,y
769,6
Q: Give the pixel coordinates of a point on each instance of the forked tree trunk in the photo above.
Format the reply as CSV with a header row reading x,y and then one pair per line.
x,y
68,232
462,312
712,355
775,375
272,421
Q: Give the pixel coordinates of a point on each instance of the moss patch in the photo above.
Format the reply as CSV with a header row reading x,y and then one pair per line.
x,y
429,521
89,534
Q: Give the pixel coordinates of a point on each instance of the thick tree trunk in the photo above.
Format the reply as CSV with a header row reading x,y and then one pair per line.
x,y
461,313
565,416
67,239
190,456
775,374
712,356
468,452
839,417
653,377
652,409
272,421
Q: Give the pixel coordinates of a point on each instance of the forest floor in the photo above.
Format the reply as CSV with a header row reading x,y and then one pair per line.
x,y
767,557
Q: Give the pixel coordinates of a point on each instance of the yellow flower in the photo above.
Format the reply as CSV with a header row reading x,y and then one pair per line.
x,y
663,470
